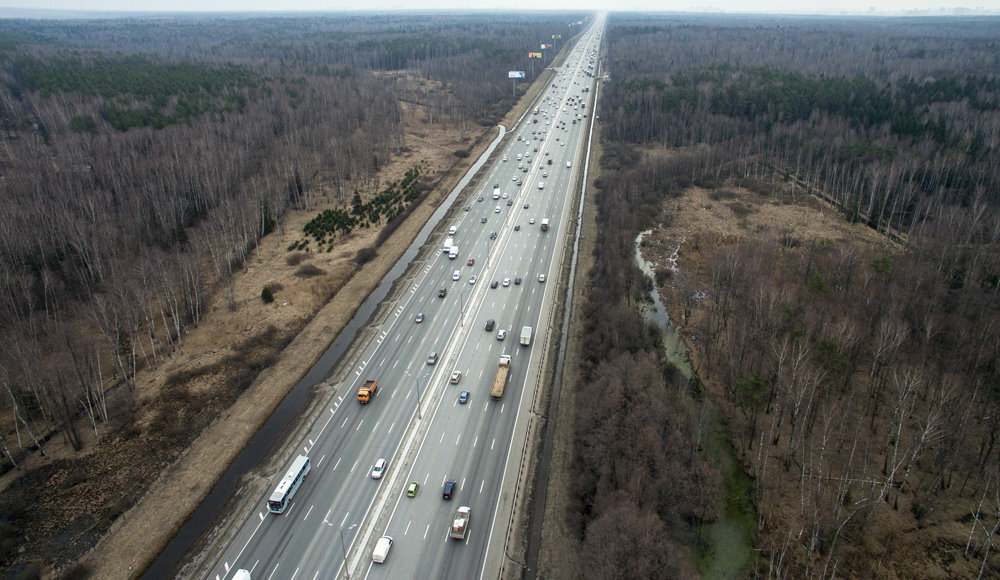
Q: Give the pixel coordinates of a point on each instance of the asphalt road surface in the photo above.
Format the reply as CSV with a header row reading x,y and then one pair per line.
x,y
416,421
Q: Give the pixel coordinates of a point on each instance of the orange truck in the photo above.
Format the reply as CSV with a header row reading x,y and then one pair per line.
x,y
367,391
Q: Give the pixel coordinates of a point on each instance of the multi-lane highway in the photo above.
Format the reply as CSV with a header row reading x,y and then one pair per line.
x,y
416,421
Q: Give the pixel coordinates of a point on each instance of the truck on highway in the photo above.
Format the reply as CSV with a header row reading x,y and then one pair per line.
x,y
525,336
367,390
461,523
545,224
448,243
500,381
453,252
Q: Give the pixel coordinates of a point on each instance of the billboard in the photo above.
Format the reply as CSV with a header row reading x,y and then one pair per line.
x,y
515,74
534,55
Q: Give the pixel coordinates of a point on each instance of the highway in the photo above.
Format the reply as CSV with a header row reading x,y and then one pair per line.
x,y
416,421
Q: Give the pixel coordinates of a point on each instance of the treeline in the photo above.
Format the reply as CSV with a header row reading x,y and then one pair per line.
x,y
860,384
640,487
893,120
143,160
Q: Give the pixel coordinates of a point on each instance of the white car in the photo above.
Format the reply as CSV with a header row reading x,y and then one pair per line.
x,y
506,282
379,469
455,377
531,221
456,276
501,334
541,277
504,196
497,210
505,159
472,279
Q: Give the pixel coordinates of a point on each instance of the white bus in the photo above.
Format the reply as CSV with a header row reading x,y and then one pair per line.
x,y
289,485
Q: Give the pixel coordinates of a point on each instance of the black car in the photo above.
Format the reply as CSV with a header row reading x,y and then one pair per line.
x,y
482,221
442,292
449,489
550,163
517,281
517,228
480,198
494,284
493,236
490,324
510,202
525,206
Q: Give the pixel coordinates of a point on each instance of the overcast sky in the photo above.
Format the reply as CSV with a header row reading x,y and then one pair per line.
x,y
767,6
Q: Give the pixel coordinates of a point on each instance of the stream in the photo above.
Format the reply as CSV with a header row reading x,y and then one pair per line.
x,y
722,549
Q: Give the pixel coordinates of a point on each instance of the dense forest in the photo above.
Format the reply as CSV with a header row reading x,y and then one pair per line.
x,y
142,162
860,383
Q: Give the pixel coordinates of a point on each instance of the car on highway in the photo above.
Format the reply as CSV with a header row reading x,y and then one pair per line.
x,y
432,358
513,178
482,221
472,279
517,228
501,334
449,489
442,292
456,376
517,281
411,490
379,468
493,235
506,282
468,207
456,276
489,324
470,262
519,182
510,202
480,198
541,277
497,210
504,195
505,159
463,397
494,284
419,318
531,221
525,206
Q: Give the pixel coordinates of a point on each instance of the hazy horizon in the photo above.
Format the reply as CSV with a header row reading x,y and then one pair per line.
x,y
69,8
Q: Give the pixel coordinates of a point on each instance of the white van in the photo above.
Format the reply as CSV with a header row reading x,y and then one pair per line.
x,y
381,551
448,244
568,164
453,253
241,574
541,185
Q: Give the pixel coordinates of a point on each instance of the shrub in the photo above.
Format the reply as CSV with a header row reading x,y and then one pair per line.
x,y
308,271
266,295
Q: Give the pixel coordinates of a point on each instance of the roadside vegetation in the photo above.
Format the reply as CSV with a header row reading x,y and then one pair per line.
x,y
144,161
857,374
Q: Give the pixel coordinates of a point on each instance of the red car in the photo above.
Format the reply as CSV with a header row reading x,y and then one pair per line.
x,y
470,262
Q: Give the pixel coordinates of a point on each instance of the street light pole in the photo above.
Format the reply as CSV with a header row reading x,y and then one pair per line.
x,y
343,546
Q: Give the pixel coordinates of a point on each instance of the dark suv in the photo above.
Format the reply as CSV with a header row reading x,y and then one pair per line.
x,y
490,324
449,489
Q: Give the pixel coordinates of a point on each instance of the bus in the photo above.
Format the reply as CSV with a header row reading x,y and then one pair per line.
x,y
289,485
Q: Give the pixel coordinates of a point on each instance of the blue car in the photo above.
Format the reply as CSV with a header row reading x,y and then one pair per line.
x,y
463,397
